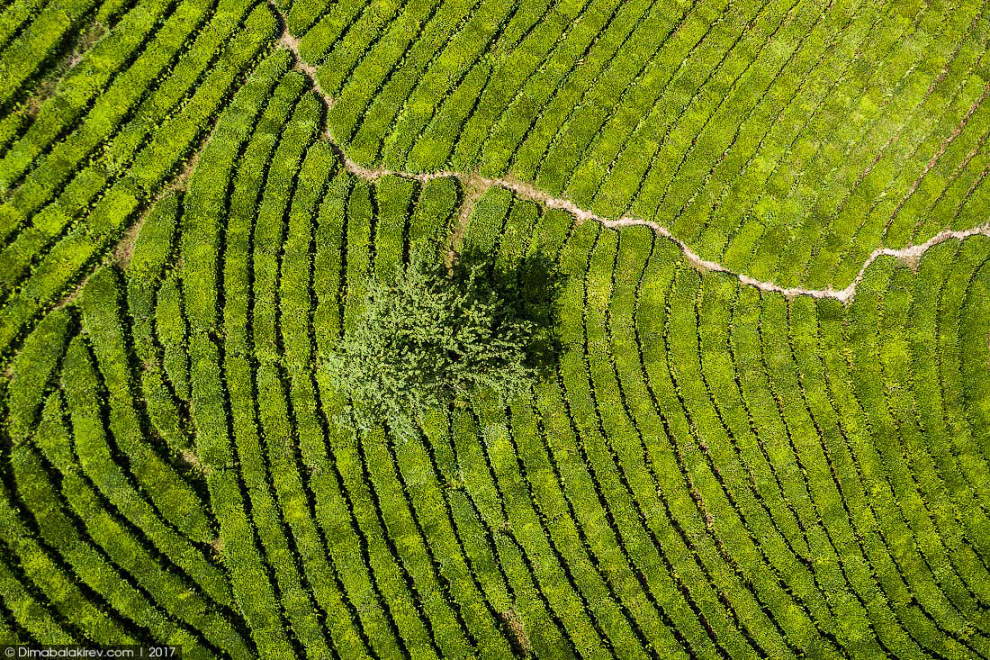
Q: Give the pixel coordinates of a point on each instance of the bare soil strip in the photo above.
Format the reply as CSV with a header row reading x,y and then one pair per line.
x,y
910,254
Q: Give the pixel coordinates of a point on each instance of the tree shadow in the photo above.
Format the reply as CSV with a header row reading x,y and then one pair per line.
x,y
530,287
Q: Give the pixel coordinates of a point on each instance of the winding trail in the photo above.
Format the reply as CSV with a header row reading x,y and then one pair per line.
x,y
910,254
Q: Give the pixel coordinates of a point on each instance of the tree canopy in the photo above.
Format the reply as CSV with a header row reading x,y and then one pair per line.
x,y
429,337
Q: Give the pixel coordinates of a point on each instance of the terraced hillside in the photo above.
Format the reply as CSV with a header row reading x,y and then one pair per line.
x,y
767,430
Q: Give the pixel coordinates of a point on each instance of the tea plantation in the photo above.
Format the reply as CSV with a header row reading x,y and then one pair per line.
x,y
758,231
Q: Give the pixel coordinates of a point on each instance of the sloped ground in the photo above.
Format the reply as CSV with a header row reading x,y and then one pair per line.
x,y
711,469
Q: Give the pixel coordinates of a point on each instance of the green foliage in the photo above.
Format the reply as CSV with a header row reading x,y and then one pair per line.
x,y
698,468
428,339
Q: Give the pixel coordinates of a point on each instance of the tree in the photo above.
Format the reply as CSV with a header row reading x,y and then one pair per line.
x,y
430,337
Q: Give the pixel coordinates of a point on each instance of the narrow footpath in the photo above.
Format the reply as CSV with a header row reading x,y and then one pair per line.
x,y
910,254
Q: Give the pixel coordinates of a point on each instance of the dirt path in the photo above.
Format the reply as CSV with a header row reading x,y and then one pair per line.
x,y
910,254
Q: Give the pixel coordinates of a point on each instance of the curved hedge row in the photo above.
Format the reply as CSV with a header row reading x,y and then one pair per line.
x,y
709,472
782,138
705,469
